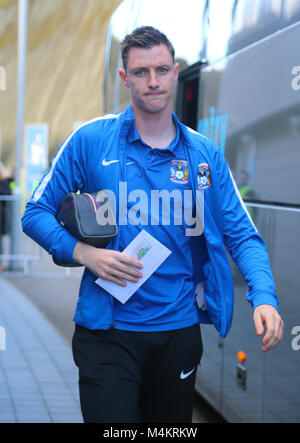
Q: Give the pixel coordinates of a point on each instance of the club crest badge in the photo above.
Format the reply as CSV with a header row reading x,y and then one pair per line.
x,y
179,171
203,177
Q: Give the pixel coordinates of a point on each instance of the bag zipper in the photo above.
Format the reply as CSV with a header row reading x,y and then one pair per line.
x,y
94,207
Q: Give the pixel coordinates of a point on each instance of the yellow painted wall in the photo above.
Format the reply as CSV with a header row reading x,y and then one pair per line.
x,y
65,66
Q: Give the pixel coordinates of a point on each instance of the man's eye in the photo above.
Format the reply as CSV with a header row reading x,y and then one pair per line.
x,y
163,70
139,73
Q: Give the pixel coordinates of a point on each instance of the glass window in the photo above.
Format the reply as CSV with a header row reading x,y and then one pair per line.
x,y
291,11
219,28
253,20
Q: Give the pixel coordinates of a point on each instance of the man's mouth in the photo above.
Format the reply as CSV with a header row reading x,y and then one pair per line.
x,y
154,94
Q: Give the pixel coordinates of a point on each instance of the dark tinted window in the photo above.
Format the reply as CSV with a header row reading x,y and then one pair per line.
x,y
250,106
253,20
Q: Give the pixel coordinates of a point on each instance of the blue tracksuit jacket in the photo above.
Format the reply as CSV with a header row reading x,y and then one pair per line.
x,y
78,165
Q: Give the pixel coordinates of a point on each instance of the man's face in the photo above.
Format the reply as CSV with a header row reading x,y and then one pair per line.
x,y
151,77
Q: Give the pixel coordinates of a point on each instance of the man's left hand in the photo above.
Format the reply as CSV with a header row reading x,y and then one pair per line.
x,y
268,315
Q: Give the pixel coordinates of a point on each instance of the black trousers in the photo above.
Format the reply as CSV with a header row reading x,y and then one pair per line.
x,y
132,377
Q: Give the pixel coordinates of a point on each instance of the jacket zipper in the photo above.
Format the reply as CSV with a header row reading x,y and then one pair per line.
x,y
93,204
210,251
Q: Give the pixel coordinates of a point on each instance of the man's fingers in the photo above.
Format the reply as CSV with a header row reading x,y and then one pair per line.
x,y
119,267
127,269
274,335
276,328
109,277
258,323
127,259
268,316
111,265
270,324
123,274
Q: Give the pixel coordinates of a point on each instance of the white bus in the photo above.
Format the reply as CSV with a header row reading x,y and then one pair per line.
x,y
240,86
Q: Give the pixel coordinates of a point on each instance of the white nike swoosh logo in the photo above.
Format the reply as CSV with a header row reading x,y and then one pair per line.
x,y
184,375
107,163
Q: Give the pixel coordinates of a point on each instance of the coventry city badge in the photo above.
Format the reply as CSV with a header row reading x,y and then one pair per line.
x,y
203,177
179,171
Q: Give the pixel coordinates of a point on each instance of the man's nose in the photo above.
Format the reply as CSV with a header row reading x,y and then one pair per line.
x,y
152,79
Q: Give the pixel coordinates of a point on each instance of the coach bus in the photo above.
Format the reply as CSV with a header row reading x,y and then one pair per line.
x,y
240,86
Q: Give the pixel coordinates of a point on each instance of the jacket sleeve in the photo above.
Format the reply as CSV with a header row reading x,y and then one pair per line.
x,y
66,174
243,241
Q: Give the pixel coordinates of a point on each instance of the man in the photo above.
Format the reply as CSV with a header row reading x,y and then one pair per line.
x,y
5,208
137,361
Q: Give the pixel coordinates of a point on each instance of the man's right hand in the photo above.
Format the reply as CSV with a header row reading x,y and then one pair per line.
x,y
108,264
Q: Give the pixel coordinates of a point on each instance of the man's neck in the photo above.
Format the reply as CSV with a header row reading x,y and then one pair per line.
x,y
156,129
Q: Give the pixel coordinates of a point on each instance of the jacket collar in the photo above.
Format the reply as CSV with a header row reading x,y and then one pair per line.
x,y
128,117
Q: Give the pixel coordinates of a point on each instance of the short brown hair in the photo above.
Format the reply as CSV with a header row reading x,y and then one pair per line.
x,y
144,37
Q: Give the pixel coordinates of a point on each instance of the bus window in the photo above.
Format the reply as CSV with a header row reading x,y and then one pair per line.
x,y
216,24
291,12
188,95
253,20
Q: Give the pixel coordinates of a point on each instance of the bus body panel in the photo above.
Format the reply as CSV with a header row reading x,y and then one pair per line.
x,y
242,90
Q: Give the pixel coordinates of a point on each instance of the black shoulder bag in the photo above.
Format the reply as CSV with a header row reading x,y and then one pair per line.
x,y
89,218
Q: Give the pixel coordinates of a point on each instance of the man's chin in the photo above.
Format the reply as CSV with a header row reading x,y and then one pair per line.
x,y
154,108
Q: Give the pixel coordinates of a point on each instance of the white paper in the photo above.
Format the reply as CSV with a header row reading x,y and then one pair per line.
x,y
150,252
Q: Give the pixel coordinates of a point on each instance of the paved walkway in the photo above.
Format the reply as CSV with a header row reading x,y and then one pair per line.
x,y
38,378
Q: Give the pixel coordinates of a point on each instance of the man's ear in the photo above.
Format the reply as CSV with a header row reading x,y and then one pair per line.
x,y
123,77
176,71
